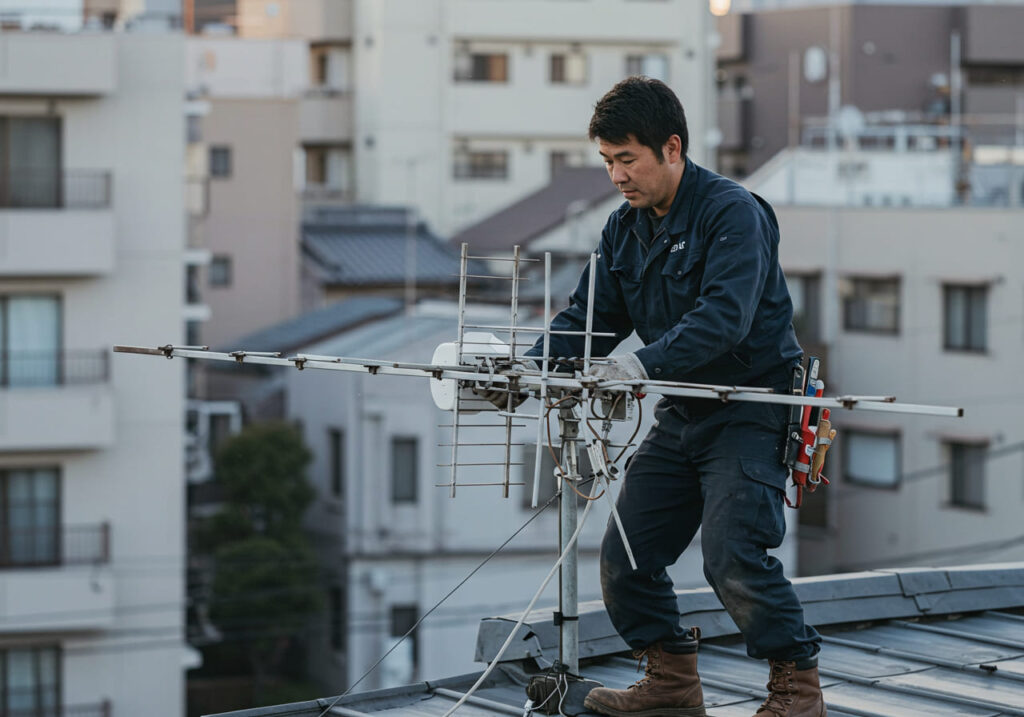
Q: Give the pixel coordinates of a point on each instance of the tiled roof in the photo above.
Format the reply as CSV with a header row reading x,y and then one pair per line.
x,y
317,325
900,643
362,255
525,220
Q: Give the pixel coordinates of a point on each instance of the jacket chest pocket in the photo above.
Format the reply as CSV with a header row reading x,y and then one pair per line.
x,y
680,277
630,278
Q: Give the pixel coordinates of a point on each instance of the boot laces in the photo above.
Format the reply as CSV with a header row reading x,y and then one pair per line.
x,y
650,669
782,691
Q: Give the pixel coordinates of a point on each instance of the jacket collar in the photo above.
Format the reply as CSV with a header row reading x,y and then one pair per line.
x,y
678,218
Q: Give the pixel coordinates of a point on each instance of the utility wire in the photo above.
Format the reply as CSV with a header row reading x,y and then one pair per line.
x,y
438,604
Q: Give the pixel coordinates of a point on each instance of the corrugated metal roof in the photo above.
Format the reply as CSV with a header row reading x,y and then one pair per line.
x,y
317,325
531,216
361,255
896,644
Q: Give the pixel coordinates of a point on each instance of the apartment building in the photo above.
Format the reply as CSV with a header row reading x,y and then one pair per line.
x,y
459,108
91,487
790,69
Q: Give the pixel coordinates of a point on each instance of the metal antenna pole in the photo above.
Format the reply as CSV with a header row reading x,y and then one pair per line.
x,y
568,574
512,388
463,263
542,416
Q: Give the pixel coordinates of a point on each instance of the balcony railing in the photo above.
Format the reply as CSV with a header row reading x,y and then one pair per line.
x,y
28,369
326,193
53,545
55,189
101,709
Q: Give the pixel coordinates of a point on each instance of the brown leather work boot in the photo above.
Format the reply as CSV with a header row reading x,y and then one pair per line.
x,y
792,692
670,687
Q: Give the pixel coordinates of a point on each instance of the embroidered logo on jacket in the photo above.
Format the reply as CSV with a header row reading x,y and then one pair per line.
x,y
677,247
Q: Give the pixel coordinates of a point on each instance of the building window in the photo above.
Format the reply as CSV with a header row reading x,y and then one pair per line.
x,y
805,291
562,159
220,271
871,459
30,338
871,304
481,67
336,601
967,474
480,165
653,64
336,447
30,162
30,517
220,161
30,681
567,68
404,465
405,659
964,322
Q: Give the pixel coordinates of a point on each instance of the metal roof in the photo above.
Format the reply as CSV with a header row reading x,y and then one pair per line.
x,y
364,255
317,325
897,643
525,220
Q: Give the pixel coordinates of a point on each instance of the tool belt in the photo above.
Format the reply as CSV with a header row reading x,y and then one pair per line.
x,y
809,433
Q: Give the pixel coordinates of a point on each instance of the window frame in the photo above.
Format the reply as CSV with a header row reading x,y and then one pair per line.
x,y
226,151
336,461
57,558
950,446
473,164
849,477
973,291
467,62
224,280
6,350
411,496
564,58
811,282
58,686
851,295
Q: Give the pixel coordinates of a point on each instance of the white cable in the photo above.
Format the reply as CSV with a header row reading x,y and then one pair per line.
x,y
508,641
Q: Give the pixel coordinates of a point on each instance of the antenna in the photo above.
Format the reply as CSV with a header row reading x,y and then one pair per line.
x,y
477,362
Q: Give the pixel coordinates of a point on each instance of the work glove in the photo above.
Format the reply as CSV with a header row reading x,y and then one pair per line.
x,y
499,396
625,367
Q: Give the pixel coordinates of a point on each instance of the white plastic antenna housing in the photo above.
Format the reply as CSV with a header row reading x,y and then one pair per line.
x,y
473,344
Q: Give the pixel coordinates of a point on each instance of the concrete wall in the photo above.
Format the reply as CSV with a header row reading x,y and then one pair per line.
x,y
253,216
136,484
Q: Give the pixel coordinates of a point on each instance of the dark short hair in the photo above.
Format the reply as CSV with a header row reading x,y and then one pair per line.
x,y
643,107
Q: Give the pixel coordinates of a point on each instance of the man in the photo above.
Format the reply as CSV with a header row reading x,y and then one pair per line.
x,y
690,262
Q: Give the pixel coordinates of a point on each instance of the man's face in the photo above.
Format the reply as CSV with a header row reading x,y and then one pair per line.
x,y
645,182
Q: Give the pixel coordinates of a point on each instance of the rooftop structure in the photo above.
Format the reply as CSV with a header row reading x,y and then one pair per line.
x,y
899,643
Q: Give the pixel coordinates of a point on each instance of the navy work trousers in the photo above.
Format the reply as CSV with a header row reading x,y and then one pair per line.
x,y
719,468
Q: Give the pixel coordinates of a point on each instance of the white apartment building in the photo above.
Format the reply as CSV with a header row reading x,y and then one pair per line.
x,y
459,107
91,487
914,293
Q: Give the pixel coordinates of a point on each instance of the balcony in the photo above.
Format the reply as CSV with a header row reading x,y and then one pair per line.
x,y
56,579
55,400
55,64
326,117
56,223
100,709
52,546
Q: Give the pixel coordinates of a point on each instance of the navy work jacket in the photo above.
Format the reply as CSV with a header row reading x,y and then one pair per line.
x,y
708,299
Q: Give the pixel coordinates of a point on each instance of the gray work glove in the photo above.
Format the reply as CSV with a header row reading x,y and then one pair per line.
x,y
624,367
499,396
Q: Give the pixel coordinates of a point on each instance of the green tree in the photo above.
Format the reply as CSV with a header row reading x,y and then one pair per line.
x,y
265,589
262,471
